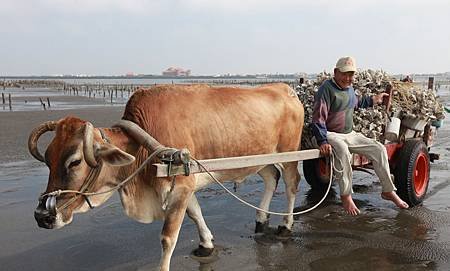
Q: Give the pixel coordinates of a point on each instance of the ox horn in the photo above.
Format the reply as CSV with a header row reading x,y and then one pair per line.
x,y
34,137
138,134
88,145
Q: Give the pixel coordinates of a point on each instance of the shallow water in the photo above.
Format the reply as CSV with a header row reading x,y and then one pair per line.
x,y
30,100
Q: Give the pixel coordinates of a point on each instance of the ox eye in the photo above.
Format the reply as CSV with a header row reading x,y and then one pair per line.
x,y
74,163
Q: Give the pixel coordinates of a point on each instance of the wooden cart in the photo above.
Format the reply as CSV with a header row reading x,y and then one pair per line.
x,y
409,160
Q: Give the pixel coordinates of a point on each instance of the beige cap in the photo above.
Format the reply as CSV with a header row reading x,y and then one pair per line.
x,y
346,64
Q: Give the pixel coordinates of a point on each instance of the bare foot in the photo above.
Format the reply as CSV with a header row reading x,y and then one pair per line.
x,y
349,205
392,196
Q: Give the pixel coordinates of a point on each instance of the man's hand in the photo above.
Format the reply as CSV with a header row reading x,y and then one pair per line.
x,y
325,149
378,99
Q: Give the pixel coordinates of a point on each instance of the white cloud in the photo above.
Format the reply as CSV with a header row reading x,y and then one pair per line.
x,y
335,6
81,6
222,6
101,6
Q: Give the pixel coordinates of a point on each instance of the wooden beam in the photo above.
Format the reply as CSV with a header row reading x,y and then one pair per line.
x,y
237,162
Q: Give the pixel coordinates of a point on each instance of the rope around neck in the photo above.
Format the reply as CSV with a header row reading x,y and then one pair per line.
x,y
118,186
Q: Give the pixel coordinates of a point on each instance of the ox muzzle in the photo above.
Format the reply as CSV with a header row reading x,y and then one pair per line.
x,y
45,213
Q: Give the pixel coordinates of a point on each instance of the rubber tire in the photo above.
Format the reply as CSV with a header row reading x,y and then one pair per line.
x,y
412,174
311,171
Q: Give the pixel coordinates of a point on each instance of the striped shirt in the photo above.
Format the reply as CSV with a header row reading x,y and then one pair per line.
x,y
333,110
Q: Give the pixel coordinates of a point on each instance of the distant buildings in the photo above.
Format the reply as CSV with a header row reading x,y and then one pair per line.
x,y
177,72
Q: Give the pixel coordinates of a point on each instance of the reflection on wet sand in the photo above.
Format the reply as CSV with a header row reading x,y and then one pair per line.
x,y
367,258
379,239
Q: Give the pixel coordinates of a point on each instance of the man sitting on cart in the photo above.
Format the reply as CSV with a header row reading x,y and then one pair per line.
x,y
332,127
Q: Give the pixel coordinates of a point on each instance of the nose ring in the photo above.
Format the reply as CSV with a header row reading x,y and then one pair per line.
x,y
50,203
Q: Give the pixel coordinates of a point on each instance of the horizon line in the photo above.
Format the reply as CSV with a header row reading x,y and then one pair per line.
x,y
122,76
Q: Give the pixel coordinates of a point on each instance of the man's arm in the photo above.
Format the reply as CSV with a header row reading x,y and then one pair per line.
x,y
320,115
368,101
378,99
365,101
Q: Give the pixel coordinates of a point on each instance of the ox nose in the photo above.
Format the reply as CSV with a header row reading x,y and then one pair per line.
x,y
44,217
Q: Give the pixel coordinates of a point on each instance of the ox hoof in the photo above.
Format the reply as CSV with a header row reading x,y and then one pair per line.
x,y
204,255
261,227
283,232
202,251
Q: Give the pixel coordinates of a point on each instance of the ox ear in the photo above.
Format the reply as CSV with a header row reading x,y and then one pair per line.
x,y
113,155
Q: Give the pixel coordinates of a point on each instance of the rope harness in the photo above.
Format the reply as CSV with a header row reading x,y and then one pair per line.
x,y
168,156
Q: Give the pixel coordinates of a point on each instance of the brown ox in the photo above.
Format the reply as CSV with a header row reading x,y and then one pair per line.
x,y
210,122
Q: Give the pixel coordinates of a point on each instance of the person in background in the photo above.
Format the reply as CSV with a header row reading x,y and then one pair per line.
x,y
332,127
407,79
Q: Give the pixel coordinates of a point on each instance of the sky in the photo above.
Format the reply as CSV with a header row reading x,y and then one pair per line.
x,y
209,37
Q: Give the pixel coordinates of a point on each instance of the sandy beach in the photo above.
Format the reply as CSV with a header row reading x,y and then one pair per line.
x,y
381,238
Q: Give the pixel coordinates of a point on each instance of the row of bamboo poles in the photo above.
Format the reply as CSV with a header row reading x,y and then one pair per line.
x,y
45,106
101,90
111,93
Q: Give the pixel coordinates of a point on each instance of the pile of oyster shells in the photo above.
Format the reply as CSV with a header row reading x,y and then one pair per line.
x,y
408,99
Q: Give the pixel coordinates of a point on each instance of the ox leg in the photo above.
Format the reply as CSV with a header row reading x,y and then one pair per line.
x,y
206,246
291,180
270,176
172,223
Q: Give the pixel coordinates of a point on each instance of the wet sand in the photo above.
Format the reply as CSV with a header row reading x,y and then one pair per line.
x,y
381,238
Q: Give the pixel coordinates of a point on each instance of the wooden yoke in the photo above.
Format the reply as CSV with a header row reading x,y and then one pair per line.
x,y
217,164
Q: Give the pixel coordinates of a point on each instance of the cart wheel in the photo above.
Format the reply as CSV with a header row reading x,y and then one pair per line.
x,y
317,173
412,173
